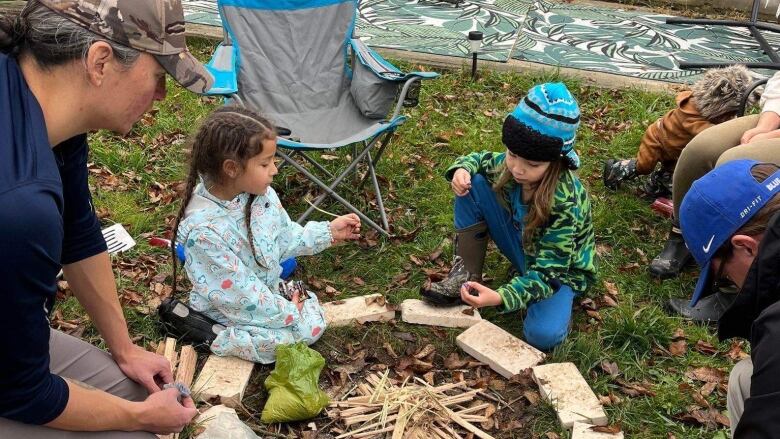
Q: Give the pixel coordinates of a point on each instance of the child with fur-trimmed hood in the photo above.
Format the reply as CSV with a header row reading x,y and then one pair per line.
x,y
711,100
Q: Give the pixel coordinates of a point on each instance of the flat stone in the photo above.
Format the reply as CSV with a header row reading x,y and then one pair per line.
x,y
221,422
502,351
358,309
223,377
582,430
564,387
423,313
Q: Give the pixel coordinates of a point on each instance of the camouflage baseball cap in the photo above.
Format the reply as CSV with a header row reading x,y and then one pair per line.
x,y
152,26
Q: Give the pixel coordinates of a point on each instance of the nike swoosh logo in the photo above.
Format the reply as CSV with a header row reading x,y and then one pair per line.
x,y
706,248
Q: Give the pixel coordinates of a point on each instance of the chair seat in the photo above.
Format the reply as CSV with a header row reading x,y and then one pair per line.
x,y
331,127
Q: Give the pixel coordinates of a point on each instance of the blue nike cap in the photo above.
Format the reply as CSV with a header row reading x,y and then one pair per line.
x,y
716,206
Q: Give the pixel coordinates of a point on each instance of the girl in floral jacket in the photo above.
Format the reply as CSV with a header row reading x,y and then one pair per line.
x,y
235,233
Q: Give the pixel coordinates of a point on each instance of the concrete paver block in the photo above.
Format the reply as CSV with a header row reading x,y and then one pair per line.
x,y
502,351
358,309
221,422
225,377
582,430
423,313
564,387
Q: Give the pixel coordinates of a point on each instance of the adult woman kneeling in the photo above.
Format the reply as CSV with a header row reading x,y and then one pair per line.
x,y
68,67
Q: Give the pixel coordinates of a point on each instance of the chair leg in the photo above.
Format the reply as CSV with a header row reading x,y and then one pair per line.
x,y
329,191
385,142
316,164
378,192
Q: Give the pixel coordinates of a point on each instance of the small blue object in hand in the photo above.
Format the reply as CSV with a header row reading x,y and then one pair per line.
x,y
183,389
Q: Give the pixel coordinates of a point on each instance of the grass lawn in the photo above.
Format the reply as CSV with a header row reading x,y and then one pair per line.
x,y
624,347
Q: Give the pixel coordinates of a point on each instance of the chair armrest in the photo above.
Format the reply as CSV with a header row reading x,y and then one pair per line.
x,y
223,67
380,66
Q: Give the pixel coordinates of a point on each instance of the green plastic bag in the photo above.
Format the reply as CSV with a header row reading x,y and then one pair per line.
x,y
293,386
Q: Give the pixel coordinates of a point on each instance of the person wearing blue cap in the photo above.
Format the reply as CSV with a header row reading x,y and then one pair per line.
x,y
730,221
528,200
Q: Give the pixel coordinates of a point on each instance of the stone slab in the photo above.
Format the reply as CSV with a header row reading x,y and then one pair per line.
x,y
357,309
502,351
582,430
564,387
225,377
423,313
221,422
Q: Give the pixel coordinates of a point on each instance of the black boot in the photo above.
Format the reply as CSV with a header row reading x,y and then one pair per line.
x,y
617,171
658,184
707,310
470,247
673,257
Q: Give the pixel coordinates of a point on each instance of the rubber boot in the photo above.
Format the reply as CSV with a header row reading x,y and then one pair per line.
x,y
672,258
658,184
470,247
707,310
617,171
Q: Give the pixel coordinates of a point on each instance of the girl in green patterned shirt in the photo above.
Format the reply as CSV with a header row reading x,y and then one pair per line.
x,y
528,200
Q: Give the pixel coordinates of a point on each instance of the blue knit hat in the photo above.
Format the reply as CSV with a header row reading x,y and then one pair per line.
x,y
543,126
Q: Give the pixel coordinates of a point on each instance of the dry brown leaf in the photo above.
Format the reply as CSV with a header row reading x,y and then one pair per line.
x,y
609,301
389,350
678,348
532,397
706,374
425,351
735,352
635,389
679,334
497,385
358,281
417,261
468,311
453,361
709,418
429,378
706,348
405,336
611,288
379,300
612,429
610,368
707,389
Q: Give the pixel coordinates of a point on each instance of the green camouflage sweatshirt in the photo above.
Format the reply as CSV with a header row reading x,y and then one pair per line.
x,y
565,248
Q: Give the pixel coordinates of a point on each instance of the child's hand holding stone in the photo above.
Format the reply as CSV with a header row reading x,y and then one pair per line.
x,y
461,182
478,295
345,228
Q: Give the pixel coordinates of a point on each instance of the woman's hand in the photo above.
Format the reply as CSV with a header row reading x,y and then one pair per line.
x,y
345,228
485,296
162,413
461,182
146,368
758,133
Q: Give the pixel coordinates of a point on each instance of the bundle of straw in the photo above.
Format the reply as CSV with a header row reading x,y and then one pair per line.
x,y
409,411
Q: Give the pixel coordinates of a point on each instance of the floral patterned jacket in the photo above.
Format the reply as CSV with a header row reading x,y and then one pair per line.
x,y
240,291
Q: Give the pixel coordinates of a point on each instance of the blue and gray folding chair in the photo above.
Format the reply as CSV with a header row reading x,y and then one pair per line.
x,y
290,59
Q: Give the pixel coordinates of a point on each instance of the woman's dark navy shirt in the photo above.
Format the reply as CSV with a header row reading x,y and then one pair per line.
x,y
46,220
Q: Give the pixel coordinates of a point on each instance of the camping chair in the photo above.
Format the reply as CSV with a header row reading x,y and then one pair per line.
x,y
290,60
